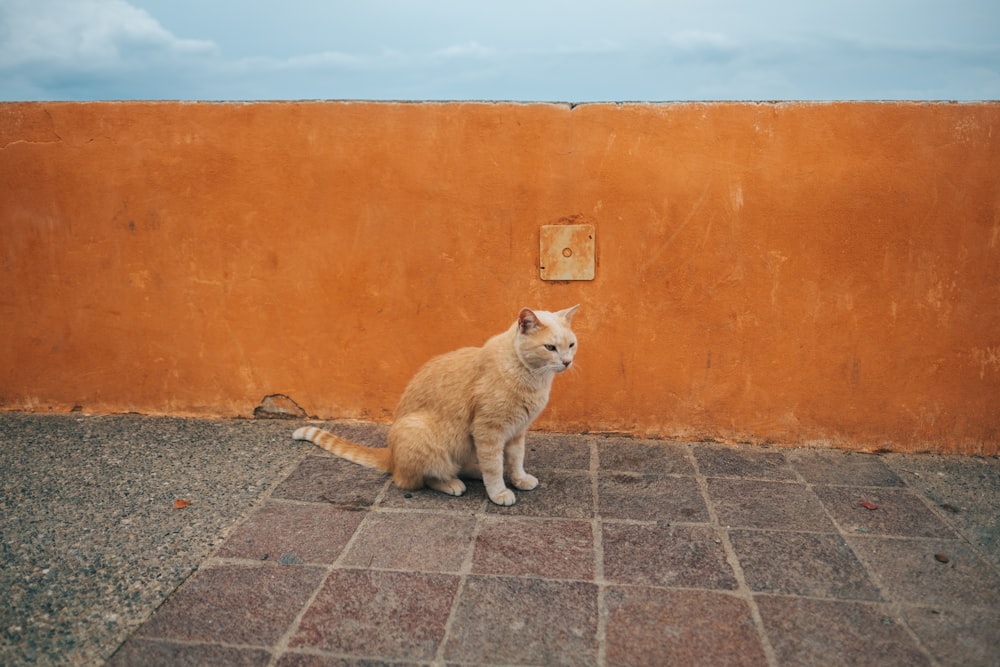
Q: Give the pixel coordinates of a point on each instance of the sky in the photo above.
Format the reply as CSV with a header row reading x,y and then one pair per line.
x,y
538,50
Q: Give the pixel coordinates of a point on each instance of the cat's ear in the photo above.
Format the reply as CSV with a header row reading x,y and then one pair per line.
x,y
568,313
527,321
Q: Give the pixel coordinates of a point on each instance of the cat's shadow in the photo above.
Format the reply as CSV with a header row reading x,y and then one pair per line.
x,y
471,501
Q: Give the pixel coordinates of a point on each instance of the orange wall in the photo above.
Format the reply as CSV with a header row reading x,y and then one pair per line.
x,y
768,272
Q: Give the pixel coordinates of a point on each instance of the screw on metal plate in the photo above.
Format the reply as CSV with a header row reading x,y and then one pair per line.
x,y
566,252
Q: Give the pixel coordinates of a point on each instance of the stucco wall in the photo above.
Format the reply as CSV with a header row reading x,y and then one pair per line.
x,y
792,272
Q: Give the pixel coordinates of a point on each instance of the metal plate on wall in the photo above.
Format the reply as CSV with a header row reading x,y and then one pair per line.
x,y
566,252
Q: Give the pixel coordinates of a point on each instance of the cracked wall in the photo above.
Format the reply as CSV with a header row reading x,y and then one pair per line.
x,y
791,273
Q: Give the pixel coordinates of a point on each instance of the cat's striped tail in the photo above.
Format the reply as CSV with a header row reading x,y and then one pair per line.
x,y
373,457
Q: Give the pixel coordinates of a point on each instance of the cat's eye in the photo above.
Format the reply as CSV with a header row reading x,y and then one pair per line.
x,y
572,344
550,348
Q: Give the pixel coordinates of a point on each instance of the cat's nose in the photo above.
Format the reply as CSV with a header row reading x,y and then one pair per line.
x,y
567,362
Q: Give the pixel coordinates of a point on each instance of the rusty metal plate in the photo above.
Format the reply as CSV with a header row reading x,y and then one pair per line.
x,y
567,252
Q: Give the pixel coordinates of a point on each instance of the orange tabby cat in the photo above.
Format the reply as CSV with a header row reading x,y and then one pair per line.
x,y
466,412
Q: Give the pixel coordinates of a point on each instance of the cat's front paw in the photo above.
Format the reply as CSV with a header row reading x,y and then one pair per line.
x,y
526,483
505,498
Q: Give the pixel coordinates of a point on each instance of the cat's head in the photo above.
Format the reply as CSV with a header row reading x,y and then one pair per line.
x,y
545,341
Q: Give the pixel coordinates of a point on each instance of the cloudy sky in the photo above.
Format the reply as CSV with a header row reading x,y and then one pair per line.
x,y
561,50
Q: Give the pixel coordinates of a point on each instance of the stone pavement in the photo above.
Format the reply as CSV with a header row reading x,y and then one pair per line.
x,y
630,552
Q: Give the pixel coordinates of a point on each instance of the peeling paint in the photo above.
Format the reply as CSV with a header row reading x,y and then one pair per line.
x,y
988,360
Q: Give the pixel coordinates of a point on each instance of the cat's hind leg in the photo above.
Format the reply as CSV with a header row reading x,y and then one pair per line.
x,y
420,460
453,487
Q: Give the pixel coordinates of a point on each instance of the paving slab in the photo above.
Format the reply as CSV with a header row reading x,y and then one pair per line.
x,y
807,564
549,548
749,503
283,531
806,631
715,460
524,620
379,614
681,556
825,466
650,497
419,542
661,626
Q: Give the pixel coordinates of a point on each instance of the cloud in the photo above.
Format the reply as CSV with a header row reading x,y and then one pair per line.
x,y
324,60
466,50
690,40
98,33
49,48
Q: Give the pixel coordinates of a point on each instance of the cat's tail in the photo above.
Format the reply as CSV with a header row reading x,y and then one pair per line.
x,y
373,457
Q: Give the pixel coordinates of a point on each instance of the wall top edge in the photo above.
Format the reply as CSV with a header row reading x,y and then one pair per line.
x,y
487,102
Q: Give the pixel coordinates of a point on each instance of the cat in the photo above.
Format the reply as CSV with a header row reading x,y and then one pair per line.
x,y
467,412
